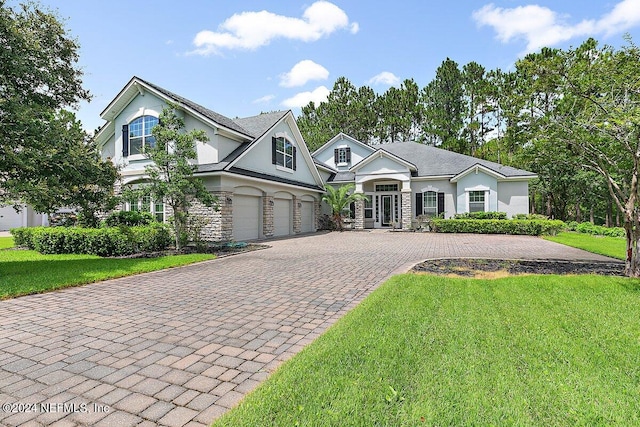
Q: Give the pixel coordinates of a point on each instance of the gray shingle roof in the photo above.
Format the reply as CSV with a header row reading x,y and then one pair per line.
x,y
432,161
258,125
211,115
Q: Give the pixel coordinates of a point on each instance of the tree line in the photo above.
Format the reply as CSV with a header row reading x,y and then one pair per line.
x,y
491,114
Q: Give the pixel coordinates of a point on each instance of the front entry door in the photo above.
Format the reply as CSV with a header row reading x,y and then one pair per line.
x,y
387,210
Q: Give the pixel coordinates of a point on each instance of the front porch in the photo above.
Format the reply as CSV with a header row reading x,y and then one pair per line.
x,y
388,204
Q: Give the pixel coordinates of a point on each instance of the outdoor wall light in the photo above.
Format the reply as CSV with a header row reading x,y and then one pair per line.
x,y
229,200
270,202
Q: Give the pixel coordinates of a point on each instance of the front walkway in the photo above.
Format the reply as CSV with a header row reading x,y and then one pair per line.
x,y
181,346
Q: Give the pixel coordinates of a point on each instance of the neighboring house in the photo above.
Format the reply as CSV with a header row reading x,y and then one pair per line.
x,y
405,180
26,217
259,167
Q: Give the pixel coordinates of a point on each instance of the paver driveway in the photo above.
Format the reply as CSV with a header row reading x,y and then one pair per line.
x,y
180,347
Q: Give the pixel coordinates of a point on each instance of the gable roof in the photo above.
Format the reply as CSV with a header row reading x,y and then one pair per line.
x,y
137,85
258,125
432,161
379,153
341,136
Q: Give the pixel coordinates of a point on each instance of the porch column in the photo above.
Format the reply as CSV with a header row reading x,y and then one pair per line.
x,y
407,208
359,220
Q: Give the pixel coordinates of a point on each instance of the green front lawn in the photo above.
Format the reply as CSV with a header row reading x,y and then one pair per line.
x,y
6,242
28,272
614,247
428,350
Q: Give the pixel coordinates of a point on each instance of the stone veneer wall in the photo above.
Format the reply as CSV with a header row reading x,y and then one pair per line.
x,y
406,210
218,224
267,216
297,215
359,219
316,214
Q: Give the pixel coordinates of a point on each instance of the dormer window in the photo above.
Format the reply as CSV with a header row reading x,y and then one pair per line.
x,y
342,156
137,137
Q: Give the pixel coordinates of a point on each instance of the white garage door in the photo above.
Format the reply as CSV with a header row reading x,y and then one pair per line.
x,y
246,217
306,216
9,218
281,217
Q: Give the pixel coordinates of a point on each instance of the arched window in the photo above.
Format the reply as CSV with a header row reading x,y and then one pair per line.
x,y
140,138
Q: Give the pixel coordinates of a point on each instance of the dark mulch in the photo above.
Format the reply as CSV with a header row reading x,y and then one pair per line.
x,y
472,267
218,250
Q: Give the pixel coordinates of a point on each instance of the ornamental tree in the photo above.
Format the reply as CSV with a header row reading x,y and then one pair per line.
x,y
171,175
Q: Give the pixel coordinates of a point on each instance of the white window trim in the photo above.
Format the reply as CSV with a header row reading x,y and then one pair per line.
x,y
286,139
486,197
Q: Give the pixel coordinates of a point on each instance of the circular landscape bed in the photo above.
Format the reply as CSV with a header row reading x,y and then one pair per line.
x,y
500,268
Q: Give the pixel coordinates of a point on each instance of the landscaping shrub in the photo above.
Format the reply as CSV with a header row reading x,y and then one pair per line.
x,y
497,226
23,236
598,230
129,218
529,216
109,241
481,215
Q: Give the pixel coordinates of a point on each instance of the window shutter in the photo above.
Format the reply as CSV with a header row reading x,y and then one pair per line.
x,y
125,140
335,156
348,154
418,204
294,158
273,150
440,203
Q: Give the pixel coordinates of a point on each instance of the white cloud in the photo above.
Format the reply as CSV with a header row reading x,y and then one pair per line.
x,y
263,100
251,30
540,26
319,95
303,72
384,78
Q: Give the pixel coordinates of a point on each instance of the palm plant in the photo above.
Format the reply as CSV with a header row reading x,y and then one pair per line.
x,y
339,200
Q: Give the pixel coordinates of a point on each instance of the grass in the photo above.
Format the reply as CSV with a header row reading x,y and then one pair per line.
x,y
6,242
29,272
428,350
614,247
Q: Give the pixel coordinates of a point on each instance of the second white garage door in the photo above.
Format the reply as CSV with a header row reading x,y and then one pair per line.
x,y
306,217
281,217
246,217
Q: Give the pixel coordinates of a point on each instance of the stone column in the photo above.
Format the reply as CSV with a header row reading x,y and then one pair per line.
x,y
267,216
316,214
218,225
359,220
297,215
407,209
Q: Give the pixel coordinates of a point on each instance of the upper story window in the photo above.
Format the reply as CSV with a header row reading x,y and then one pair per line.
x,y
137,137
476,201
342,156
430,203
283,153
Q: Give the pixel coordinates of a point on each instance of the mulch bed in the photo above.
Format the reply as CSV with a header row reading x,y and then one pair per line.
x,y
474,267
218,250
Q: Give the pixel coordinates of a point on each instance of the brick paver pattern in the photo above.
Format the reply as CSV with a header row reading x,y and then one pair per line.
x,y
182,346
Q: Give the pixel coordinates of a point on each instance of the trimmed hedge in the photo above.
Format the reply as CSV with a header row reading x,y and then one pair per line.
x,y
497,226
481,215
110,241
129,218
596,230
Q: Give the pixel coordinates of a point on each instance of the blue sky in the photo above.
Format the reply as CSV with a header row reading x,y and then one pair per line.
x,y
244,57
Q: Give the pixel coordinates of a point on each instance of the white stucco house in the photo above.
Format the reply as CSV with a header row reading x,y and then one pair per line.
x,y
259,167
268,183
404,180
